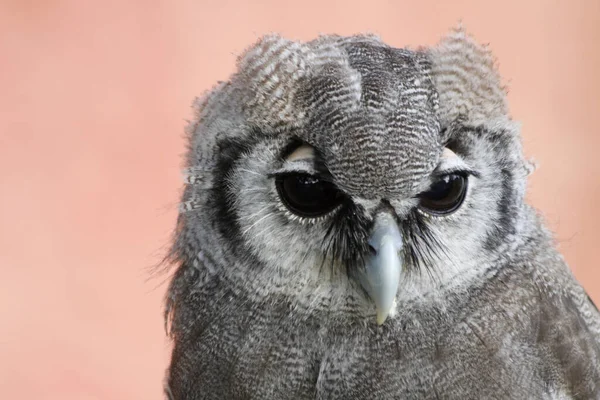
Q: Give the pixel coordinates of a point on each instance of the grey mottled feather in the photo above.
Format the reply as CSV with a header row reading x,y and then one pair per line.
x,y
263,304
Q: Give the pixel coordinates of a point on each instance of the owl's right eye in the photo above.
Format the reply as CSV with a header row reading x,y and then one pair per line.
x,y
307,195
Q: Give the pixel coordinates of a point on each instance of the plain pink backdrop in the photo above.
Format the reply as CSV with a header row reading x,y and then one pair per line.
x,y
93,101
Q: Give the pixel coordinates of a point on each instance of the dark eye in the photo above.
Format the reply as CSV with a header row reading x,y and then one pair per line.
x,y
445,195
306,195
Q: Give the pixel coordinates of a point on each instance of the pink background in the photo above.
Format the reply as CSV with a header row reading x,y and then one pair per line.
x,y
92,107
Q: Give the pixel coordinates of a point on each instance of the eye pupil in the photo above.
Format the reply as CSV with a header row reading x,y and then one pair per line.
x,y
306,195
445,195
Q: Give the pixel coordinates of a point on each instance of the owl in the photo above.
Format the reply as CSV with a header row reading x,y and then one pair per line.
x,y
353,226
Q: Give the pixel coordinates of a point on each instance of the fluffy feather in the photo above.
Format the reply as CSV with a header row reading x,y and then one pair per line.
x,y
265,304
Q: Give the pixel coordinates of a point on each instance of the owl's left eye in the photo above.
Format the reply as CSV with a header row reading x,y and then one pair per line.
x,y
446,195
307,195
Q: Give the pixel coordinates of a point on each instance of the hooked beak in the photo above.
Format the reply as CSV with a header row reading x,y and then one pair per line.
x,y
381,275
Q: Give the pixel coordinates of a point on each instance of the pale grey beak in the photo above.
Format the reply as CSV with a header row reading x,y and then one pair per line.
x,y
381,276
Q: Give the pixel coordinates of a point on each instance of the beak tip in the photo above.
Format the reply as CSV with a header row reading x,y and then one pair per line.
x,y
384,313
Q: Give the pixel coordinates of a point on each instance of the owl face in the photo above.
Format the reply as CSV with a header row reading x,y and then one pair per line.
x,y
348,176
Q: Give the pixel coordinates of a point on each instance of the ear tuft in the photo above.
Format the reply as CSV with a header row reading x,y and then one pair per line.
x,y
469,86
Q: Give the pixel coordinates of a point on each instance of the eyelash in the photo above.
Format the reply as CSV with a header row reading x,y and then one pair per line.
x,y
304,220
457,171
296,167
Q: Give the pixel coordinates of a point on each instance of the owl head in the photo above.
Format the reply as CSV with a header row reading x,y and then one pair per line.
x,y
345,177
